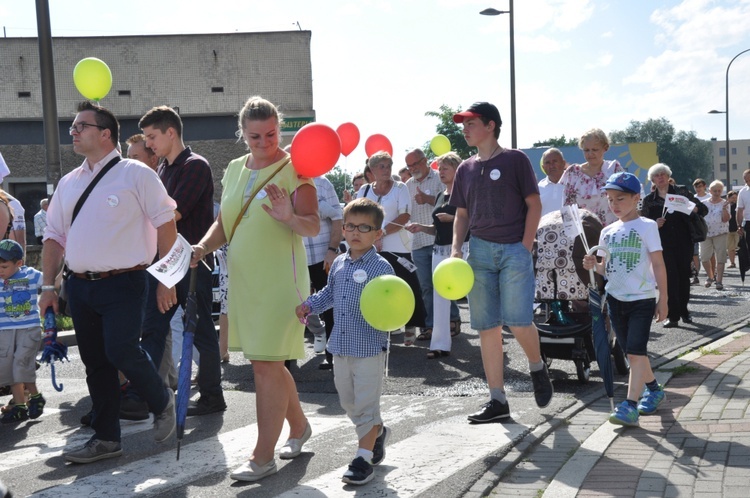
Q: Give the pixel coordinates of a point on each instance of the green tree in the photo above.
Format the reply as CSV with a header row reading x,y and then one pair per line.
x,y
447,127
688,156
557,142
340,180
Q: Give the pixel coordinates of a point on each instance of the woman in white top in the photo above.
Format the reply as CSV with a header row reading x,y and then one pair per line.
x,y
717,220
395,246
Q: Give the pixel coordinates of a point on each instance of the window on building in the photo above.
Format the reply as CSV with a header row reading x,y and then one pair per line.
x,y
22,95
723,167
748,150
722,151
217,89
734,166
125,93
734,151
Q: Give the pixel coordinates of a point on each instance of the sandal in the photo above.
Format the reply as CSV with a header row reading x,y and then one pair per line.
x,y
410,335
709,282
719,286
426,334
455,328
437,354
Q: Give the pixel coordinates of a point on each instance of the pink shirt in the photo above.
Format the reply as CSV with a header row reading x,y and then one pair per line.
x,y
116,227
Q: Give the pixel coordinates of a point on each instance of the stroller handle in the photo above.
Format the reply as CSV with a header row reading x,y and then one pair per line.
x,y
594,250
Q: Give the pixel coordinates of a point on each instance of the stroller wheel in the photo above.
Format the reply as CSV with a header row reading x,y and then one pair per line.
x,y
621,361
583,371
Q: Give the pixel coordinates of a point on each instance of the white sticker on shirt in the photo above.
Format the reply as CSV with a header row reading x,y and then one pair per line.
x,y
495,174
113,201
261,195
426,191
359,276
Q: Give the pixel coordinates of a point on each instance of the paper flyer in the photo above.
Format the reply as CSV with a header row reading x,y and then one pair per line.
x,y
174,266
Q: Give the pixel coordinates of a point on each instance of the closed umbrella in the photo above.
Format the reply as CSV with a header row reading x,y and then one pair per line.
x,y
743,255
599,331
53,350
183,379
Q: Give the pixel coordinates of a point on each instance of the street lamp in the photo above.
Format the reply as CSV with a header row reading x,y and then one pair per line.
x,y
726,113
495,12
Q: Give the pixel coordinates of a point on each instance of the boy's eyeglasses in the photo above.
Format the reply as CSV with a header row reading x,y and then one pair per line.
x,y
350,227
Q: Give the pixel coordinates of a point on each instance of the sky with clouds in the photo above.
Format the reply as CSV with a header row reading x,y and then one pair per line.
x,y
382,64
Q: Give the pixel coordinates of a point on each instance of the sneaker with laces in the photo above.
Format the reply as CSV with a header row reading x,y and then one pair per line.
x,y
378,451
624,414
132,408
95,450
650,400
542,387
492,410
164,423
36,405
17,413
360,472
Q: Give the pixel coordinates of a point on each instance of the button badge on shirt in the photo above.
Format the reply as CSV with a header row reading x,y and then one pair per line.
x,y
359,276
495,174
113,201
261,195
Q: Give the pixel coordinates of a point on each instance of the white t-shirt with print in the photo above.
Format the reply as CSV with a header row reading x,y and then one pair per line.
x,y
629,271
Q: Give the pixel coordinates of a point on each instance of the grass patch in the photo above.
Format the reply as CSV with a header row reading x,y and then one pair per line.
x,y
684,353
684,369
704,351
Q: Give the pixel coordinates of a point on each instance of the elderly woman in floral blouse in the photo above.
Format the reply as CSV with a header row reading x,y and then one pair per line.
x,y
583,182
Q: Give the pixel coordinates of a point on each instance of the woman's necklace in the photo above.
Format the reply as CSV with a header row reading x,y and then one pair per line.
x,y
483,163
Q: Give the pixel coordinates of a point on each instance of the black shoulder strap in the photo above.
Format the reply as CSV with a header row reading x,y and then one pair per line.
x,y
367,190
91,186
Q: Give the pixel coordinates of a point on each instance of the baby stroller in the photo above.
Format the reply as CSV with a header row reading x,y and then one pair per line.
x,y
564,316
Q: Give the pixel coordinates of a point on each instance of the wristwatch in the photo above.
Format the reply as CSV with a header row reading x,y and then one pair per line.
x,y
334,249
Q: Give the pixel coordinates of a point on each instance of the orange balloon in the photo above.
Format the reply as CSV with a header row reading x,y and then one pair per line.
x,y
378,142
349,135
315,150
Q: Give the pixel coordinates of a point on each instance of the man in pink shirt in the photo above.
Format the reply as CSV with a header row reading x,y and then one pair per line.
x,y
107,243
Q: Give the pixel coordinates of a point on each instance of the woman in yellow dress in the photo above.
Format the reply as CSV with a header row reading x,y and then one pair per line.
x,y
267,276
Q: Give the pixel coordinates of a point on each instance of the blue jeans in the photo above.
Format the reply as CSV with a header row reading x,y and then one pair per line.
x,y
422,257
107,315
156,327
503,292
632,323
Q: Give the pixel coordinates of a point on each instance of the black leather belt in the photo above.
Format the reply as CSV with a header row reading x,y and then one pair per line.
x,y
98,275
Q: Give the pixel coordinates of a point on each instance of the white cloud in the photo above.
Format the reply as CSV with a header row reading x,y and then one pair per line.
x,y
603,60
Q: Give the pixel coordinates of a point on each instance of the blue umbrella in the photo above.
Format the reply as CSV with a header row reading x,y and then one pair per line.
x,y
53,350
602,348
183,379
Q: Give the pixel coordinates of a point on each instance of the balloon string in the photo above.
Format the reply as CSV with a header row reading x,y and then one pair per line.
x,y
387,354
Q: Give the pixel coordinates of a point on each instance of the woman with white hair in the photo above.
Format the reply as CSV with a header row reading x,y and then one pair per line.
x,y
677,245
717,220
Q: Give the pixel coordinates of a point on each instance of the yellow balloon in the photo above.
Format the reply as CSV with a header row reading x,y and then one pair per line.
x,y
92,78
453,278
387,303
440,145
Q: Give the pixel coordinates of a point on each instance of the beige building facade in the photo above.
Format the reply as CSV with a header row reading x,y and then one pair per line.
x,y
739,161
207,77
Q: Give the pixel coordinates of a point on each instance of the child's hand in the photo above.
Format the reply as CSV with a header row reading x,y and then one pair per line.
x,y
589,261
302,311
660,313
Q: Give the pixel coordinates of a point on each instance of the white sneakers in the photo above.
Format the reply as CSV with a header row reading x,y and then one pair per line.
x,y
293,447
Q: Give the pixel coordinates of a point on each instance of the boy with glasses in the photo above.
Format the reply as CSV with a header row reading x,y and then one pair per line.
x,y
358,349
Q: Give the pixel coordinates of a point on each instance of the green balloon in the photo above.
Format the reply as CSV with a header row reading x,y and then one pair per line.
x,y
387,303
453,278
92,78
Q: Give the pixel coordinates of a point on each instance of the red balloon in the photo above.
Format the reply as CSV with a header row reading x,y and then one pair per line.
x,y
434,165
315,150
378,142
349,135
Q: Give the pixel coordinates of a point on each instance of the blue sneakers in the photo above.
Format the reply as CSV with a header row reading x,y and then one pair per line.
x,y
624,414
650,400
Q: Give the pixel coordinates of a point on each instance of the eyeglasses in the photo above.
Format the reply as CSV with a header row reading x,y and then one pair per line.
x,y
350,227
79,127
412,165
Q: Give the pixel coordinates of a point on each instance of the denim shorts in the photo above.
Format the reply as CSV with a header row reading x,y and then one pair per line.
x,y
503,292
632,323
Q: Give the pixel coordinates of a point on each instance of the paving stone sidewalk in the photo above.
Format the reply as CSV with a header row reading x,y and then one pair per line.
x,y
696,445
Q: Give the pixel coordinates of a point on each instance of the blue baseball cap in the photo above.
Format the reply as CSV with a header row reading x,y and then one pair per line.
x,y
10,250
624,182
